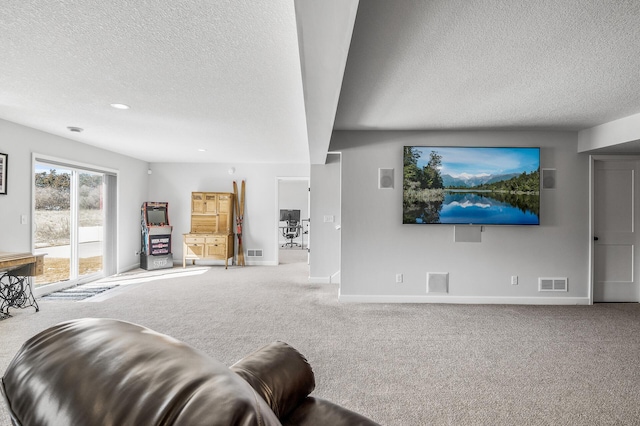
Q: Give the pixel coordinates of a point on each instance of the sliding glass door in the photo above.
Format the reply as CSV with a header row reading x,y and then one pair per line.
x,y
69,222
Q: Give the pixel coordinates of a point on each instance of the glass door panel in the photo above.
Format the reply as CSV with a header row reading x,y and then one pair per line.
x,y
53,222
69,222
90,222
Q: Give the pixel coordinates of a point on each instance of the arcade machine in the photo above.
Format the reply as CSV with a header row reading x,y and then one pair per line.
x,y
155,252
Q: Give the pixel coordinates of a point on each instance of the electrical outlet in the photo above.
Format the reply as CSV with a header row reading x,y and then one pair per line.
x,y
23,219
514,280
399,278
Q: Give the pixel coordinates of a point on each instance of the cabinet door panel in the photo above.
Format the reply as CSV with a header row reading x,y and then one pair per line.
x,y
211,203
195,250
197,202
216,250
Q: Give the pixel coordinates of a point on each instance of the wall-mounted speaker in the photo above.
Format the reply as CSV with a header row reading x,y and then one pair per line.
x,y
385,178
548,178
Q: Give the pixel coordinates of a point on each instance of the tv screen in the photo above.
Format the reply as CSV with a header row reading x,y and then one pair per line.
x,y
156,216
471,185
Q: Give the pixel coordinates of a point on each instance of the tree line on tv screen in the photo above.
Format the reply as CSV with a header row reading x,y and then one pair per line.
x,y
429,176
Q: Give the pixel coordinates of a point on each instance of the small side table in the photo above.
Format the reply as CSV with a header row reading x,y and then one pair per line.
x,y
16,272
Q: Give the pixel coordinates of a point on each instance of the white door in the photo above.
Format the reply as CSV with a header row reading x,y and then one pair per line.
x,y
615,236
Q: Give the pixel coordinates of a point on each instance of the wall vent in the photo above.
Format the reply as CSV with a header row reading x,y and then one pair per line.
x,y
254,253
437,282
552,284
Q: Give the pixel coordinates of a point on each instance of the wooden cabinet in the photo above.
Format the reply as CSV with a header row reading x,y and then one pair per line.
x,y
211,235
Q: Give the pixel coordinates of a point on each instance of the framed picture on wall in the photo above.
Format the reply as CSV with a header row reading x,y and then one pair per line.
x,y
3,173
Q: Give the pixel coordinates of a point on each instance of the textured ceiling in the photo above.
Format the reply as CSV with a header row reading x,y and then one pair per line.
x,y
459,64
217,75
254,81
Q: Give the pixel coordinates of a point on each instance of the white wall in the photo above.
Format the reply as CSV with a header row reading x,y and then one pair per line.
x,y
20,142
174,182
324,257
376,245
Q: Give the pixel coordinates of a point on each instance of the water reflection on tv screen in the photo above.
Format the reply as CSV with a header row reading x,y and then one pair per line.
x,y
471,185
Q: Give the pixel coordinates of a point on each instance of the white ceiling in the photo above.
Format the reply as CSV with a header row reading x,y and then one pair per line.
x,y
231,77
459,64
217,75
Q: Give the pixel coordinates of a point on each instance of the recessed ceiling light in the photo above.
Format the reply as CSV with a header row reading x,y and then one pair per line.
x,y
75,129
120,106
202,150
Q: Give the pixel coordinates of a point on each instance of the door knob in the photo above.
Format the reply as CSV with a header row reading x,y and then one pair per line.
x,y
595,238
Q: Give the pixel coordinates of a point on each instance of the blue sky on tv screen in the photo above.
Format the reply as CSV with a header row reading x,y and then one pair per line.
x,y
472,161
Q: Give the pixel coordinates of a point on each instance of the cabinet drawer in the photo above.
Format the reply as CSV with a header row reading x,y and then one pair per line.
x,y
194,240
215,240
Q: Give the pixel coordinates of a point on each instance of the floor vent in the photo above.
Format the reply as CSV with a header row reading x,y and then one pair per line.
x,y
552,284
254,253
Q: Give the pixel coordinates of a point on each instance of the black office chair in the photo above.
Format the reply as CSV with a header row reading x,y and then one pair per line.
x,y
290,232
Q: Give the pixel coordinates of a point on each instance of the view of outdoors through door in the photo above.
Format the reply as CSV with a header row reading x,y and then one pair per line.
x,y
69,222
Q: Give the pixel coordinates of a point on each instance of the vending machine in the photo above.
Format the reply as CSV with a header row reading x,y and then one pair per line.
x,y
155,252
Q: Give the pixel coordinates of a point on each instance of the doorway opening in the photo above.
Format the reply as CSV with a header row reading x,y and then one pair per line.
x,y
293,221
71,224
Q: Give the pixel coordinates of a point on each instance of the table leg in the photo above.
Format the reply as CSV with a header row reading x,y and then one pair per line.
x,y
15,292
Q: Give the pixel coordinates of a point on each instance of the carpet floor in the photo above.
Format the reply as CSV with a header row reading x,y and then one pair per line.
x,y
399,364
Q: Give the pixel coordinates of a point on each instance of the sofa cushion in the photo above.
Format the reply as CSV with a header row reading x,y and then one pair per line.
x,y
280,374
107,372
316,411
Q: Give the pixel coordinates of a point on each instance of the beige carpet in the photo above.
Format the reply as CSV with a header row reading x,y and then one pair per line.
x,y
398,364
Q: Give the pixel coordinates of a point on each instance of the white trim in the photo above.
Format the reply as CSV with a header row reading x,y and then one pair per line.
x,y
320,280
277,212
464,300
592,160
63,161
75,166
337,276
261,262
131,268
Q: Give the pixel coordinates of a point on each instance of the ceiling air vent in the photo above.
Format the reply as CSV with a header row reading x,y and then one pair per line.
x,y
552,284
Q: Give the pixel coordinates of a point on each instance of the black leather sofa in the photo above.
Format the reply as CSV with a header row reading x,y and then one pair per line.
x,y
114,373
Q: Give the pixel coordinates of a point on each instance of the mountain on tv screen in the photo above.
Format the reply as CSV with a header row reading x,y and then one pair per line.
x,y
471,185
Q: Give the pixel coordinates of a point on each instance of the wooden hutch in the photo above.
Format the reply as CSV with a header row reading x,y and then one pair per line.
x,y
211,235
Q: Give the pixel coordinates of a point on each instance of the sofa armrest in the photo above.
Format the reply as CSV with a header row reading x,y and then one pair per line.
x,y
14,420
279,374
102,371
316,411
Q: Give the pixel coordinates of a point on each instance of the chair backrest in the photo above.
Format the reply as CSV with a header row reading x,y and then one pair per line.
x,y
294,230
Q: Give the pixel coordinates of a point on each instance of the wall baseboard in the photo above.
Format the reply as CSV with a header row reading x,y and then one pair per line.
x,y
466,300
208,262
131,267
260,262
320,280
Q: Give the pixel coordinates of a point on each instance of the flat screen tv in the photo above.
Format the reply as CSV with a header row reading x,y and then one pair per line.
x,y
471,185
289,215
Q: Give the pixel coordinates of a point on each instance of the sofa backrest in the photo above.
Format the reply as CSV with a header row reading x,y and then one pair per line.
x,y
108,372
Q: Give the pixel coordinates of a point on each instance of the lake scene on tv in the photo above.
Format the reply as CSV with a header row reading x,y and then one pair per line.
x,y
471,185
